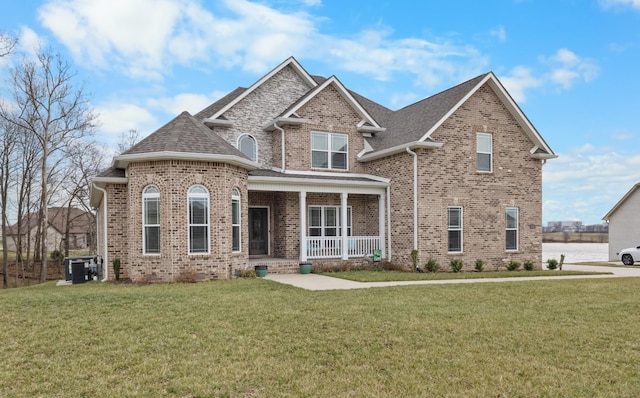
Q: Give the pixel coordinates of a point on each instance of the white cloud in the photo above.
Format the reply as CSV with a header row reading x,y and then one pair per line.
x,y
567,68
499,32
563,70
620,3
116,117
147,38
586,182
189,102
519,80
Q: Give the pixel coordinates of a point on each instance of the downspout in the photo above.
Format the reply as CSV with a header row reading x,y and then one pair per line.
x,y
275,124
415,198
105,262
389,223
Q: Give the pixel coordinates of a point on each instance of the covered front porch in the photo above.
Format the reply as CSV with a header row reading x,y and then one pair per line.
x,y
313,217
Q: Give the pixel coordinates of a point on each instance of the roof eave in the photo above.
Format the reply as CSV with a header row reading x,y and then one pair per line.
x,y
371,129
543,156
399,149
217,122
620,202
282,121
123,161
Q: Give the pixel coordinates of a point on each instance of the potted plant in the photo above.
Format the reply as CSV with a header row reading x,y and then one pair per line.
x,y
305,268
261,270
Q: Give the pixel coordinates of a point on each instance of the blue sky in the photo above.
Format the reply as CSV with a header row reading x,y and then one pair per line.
x,y
572,65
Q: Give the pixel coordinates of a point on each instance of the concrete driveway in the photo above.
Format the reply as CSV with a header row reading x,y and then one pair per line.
x,y
322,282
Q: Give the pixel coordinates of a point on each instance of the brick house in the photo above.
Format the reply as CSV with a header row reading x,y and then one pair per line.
x,y
299,168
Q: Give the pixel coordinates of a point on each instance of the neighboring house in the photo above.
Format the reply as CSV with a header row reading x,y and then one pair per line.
x,y
299,168
80,229
623,221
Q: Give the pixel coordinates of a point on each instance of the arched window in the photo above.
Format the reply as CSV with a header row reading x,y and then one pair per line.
x,y
198,203
235,219
247,145
151,220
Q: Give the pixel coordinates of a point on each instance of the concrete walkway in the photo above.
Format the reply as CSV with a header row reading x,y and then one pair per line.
x,y
321,282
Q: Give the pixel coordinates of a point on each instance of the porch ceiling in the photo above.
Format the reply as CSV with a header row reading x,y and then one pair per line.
x,y
269,180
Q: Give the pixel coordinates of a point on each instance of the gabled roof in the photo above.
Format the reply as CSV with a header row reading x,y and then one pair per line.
x,y
80,221
341,89
220,110
219,104
607,216
416,123
184,138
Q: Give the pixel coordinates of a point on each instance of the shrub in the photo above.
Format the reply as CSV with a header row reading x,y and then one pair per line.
x,y
528,266
513,265
116,268
57,256
247,273
432,265
414,259
552,263
479,265
456,265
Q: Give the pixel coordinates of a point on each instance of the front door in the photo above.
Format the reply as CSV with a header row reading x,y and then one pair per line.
x,y
258,230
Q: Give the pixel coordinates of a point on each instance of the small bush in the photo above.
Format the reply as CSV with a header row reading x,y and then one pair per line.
x,y
414,259
432,265
513,265
552,263
116,268
247,273
57,256
479,265
528,266
456,265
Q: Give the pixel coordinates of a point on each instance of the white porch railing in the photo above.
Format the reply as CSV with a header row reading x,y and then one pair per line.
x,y
331,247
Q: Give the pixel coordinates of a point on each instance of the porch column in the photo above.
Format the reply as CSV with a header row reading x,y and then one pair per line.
x,y
381,206
343,217
303,226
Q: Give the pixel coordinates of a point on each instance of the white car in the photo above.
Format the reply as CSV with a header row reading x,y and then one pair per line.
x,y
628,256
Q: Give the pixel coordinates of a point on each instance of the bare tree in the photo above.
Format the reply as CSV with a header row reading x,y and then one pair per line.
x,y
85,161
127,140
7,146
49,107
7,44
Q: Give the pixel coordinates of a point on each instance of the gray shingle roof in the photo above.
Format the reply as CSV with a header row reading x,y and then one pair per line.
x,y
412,122
113,172
219,104
184,134
273,173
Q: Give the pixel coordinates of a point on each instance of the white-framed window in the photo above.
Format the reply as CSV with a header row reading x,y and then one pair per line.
x,y
484,152
248,145
198,204
235,219
327,221
329,150
511,230
454,229
151,220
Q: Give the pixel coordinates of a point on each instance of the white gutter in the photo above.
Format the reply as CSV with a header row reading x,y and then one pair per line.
x,y
398,149
105,257
415,198
275,124
389,222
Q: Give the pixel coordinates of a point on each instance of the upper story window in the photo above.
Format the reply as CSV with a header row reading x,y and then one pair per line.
x,y
198,204
454,229
235,219
484,152
511,230
151,220
329,151
247,145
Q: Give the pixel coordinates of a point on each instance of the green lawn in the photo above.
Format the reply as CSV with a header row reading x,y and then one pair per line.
x,y
257,338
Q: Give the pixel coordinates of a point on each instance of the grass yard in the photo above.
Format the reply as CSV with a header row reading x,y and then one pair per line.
x,y
257,338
